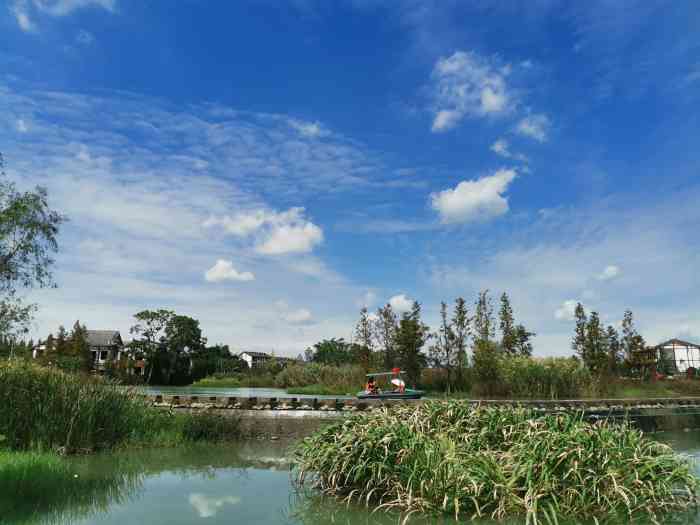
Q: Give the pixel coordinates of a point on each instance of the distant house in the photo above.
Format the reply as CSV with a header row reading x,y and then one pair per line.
x,y
255,359
258,359
106,346
677,356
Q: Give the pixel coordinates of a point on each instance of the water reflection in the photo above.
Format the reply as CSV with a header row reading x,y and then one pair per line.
x,y
207,506
247,484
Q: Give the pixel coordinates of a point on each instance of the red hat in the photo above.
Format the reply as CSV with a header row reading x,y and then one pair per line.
x,y
396,370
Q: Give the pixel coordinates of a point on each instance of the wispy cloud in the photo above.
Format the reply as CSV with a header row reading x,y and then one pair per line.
x,y
534,126
466,84
502,148
23,10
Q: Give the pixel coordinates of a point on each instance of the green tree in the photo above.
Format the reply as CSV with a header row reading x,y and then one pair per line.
x,y
332,352
484,328
149,336
615,357
386,328
523,341
364,339
461,327
578,344
183,337
596,346
28,233
444,352
411,336
507,325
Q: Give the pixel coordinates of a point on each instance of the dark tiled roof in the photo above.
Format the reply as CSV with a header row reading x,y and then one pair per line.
x,y
104,337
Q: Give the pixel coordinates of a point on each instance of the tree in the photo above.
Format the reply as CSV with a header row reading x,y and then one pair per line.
x,y
507,326
484,329
28,233
443,354
363,335
332,352
461,327
62,347
386,327
615,357
578,344
522,341
596,345
410,339
183,336
149,332
631,341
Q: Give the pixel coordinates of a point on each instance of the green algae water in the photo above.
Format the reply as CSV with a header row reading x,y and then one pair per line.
x,y
248,483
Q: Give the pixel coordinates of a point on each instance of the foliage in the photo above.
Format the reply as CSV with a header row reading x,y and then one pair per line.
x,y
335,379
410,339
209,427
486,369
454,459
28,238
483,322
365,339
44,408
332,352
386,326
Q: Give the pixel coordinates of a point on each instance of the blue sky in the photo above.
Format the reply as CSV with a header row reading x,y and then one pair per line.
x,y
270,167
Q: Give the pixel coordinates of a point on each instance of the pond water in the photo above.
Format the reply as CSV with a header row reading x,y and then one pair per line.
x,y
246,484
228,392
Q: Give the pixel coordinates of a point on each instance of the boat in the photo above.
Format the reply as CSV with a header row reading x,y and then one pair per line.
x,y
399,390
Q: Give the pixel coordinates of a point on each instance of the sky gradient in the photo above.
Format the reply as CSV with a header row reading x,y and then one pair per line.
x,y
270,167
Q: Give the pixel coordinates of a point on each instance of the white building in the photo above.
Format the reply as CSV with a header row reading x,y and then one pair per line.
x,y
255,359
679,355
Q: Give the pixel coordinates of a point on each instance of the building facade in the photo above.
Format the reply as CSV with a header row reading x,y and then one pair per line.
x,y
676,356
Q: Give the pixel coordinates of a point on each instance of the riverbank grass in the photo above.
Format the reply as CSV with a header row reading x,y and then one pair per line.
x,y
490,462
48,410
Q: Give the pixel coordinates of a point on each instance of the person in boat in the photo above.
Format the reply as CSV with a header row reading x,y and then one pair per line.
x,y
372,387
399,384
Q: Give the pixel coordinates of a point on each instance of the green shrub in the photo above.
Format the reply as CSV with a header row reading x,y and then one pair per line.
x,y
334,379
451,458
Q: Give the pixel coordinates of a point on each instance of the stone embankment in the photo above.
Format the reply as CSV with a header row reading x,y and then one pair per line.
x,y
296,417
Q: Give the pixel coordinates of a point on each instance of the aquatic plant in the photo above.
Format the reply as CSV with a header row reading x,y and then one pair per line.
x,y
455,459
46,409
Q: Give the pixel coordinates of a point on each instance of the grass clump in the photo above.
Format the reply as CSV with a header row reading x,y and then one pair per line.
x,y
451,458
46,409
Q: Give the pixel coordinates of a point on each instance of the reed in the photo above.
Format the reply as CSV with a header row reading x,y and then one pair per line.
x,y
487,462
46,409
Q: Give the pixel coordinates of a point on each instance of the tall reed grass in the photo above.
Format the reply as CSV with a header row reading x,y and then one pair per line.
x,y
449,458
46,409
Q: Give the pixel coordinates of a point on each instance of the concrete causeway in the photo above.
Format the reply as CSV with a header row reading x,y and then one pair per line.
x,y
269,417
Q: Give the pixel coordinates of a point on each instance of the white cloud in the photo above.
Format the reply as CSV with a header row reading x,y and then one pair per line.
x,y
21,9
241,224
500,147
474,200
534,126
468,85
401,303
566,312
299,316
224,271
308,129
277,233
208,506
22,126
610,272
84,38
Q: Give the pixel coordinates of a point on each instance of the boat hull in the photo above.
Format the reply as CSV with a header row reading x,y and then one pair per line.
x,y
408,394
